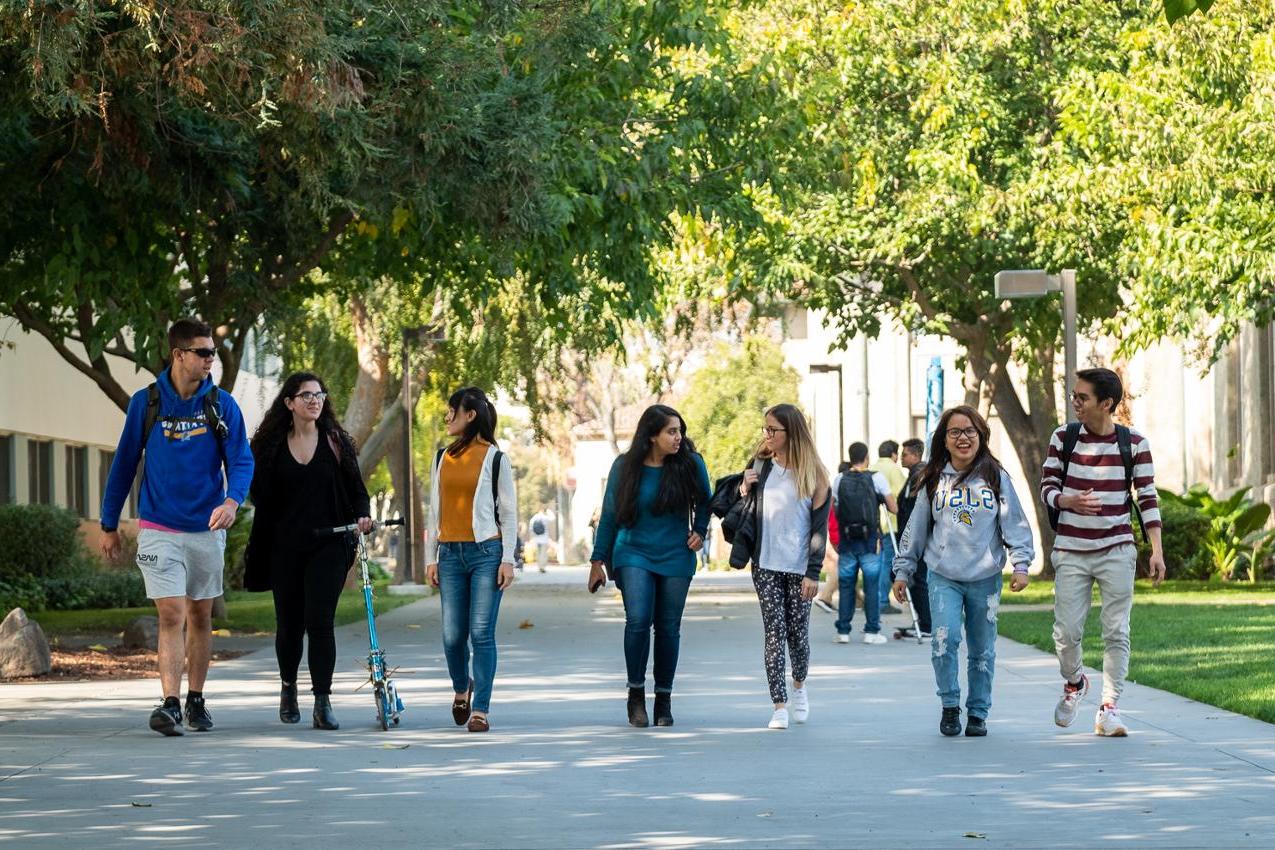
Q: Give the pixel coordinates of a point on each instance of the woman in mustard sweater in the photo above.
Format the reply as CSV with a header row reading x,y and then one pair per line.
x,y
469,556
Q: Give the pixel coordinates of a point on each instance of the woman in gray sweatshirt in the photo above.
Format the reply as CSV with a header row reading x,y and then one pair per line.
x,y
974,517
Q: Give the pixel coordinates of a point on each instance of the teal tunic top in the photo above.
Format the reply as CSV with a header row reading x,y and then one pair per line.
x,y
655,542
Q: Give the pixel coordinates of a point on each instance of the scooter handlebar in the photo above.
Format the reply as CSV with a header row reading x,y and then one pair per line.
x,y
353,528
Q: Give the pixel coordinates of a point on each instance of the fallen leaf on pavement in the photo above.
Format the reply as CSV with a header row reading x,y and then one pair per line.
x,y
221,632
97,647
975,835
526,624
413,625
395,746
138,805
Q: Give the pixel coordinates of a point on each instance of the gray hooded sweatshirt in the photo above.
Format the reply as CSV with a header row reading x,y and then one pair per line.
x,y
964,534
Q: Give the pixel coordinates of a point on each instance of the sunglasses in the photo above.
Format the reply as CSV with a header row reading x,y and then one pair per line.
x,y
201,352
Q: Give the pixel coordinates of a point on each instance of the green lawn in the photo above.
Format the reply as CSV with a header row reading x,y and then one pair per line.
x,y
1186,643
1042,592
248,613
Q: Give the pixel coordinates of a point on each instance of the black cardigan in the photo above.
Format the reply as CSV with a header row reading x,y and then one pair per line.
x,y
818,525
351,495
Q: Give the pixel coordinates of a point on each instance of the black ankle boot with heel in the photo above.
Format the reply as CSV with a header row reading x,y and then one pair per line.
x,y
637,708
289,711
323,716
663,709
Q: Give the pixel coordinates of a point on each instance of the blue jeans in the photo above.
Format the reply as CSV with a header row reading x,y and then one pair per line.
x,y
977,604
887,571
467,574
650,600
849,564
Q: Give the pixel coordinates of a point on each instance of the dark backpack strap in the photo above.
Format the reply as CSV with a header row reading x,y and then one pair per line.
x,y
1124,440
152,412
214,420
1070,437
495,485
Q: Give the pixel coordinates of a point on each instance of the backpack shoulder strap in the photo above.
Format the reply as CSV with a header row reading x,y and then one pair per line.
x,y
495,482
152,412
438,459
1124,440
1070,438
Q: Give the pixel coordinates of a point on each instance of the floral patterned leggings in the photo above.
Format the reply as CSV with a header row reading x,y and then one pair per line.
x,y
786,618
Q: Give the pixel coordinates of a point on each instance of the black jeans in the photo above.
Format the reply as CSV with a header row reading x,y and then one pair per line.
x,y
307,586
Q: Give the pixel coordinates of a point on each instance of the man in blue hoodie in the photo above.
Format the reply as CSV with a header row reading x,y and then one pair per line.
x,y
189,430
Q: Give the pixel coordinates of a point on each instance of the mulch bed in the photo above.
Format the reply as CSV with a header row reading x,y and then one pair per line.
x,y
115,663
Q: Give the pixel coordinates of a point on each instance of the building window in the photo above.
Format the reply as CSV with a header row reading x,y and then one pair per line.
x,y
40,472
6,469
104,461
77,479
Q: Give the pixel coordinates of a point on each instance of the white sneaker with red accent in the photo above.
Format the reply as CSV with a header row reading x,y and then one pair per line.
x,y
1069,702
1108,723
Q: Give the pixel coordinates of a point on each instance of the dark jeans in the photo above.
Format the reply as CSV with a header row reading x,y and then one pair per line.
x,y
467,574
921,595
849,565
650,600
307,586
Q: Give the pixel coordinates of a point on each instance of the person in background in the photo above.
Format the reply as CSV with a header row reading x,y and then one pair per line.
x,y
856,496
824,598
912,457
887,464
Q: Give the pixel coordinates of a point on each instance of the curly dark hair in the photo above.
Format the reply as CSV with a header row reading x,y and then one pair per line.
x,y
277,423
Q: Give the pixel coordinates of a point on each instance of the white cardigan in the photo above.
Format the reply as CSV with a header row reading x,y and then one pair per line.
x,y
485,522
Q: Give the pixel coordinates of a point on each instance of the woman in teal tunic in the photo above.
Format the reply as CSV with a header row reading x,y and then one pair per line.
x,y
654,518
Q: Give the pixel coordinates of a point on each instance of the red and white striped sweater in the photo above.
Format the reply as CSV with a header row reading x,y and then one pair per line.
x,y
1096,465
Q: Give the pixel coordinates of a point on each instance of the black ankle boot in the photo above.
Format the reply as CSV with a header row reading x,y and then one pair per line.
x,y
323,716
950,724
289,711
637,708
663,709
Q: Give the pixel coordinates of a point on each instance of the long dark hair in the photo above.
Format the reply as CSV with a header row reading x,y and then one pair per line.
x,y
678,490
984,466
484,424
277,422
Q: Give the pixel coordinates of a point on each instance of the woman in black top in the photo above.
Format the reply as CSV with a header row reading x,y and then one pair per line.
x,y
306,477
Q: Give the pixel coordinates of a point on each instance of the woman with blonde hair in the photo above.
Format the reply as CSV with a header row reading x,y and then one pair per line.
x,y
791,513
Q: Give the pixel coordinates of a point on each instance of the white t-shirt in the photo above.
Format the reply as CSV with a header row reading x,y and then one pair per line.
x,y
785,524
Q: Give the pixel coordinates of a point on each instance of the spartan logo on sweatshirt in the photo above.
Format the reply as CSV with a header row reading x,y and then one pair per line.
x,y
965,502
182,428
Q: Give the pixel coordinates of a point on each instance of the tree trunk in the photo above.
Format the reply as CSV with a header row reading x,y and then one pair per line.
x,y
402,572
367,402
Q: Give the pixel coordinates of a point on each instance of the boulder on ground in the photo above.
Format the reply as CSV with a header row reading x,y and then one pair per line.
x,y
142,633
23,649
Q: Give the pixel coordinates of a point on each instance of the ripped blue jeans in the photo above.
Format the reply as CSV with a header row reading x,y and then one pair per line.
x,y
975,605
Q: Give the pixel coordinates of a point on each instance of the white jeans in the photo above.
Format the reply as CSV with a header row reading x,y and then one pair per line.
x,y
1074,577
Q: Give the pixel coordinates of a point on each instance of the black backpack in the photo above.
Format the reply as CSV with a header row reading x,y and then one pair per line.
x,y
212,415
537,526
858,517
1124,441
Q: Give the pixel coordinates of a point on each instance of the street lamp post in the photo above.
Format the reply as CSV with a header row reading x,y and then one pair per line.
x,y
823,369
1033,283
431,334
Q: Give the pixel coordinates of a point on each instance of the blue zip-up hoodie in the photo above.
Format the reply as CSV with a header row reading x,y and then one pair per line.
x,y
182,483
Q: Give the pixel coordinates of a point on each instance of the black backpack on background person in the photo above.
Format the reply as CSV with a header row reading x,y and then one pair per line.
x,y
858,516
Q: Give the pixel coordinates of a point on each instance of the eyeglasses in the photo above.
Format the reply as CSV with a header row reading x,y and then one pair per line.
x,y
308,396
770,431
201,352
957,433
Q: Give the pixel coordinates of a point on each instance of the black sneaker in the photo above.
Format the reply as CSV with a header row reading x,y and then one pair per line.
x,y
975,727
197,717
951,723
166,719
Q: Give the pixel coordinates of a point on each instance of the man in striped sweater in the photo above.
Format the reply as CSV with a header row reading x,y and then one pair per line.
x,y
1088,491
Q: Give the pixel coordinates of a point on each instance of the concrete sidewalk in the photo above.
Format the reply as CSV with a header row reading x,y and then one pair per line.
x,y
561,768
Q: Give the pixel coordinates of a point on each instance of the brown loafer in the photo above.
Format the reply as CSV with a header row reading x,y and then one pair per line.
x,y
478,723
461,706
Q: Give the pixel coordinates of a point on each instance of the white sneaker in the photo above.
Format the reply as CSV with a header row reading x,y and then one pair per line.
x,y
843,638
1108,724
778,720
1069,702
874,638
800,703
826,607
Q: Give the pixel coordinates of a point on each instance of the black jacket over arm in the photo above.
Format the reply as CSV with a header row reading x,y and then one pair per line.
x,y
352,502
750,549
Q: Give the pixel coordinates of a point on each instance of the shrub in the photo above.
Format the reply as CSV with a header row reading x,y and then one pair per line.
x,y
1184,529
38,540
21,592
81,584
1236,540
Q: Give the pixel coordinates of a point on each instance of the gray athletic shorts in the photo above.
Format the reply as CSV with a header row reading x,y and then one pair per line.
x,y
181,563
